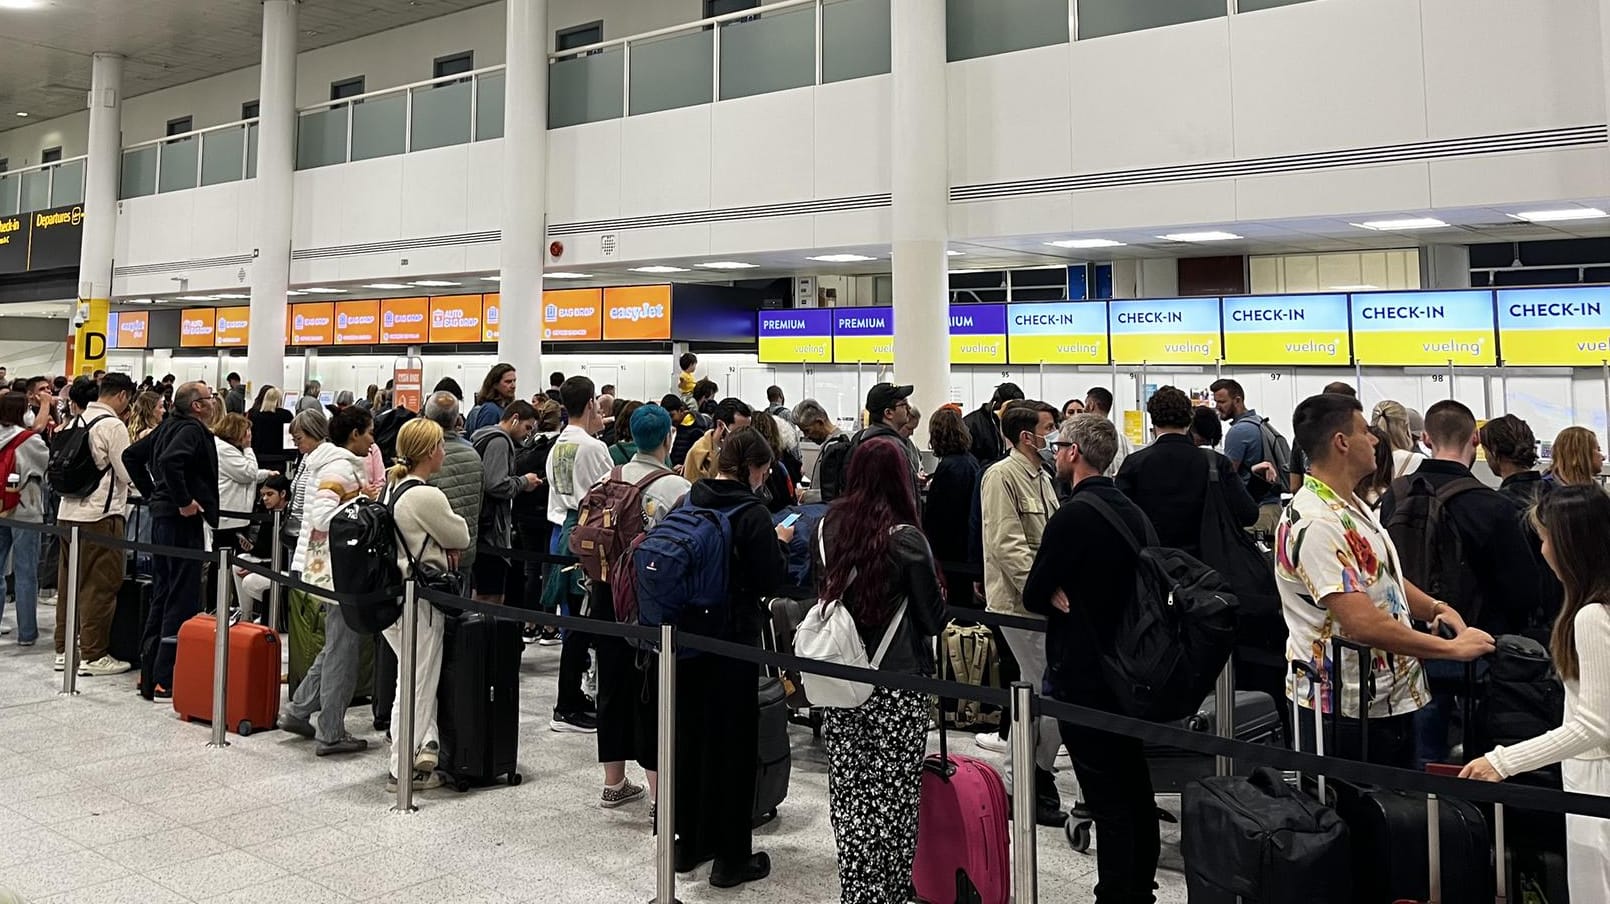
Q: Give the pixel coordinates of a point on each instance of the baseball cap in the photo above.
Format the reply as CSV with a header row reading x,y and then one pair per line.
x,y
886,395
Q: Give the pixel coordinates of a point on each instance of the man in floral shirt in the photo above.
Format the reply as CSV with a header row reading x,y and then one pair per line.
x,y
1339,576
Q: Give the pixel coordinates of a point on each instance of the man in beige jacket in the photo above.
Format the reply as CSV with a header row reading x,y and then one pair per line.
x,y
1017,497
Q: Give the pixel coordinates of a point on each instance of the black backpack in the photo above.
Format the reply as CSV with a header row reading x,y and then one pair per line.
x,y
834,461
532,458
363,559
1430,548
1232,552
1173,640
387,425
72,471
1277,451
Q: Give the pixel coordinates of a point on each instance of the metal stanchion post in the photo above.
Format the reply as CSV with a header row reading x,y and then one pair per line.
x,y
1224,715
403,730
220,655
276,593
1023,801
69,675
665,797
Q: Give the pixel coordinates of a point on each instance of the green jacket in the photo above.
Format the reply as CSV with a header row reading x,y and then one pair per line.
x,y
460,480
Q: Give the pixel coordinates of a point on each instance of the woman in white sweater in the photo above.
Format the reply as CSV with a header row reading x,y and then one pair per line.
x,y
431,533
1571,522
238,474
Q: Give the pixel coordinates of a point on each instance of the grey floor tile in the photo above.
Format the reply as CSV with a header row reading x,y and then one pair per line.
x,y
375,874
311,848
450,888
127,890
218,873
76,804
165,848
286,888
101,829
64,872
32,844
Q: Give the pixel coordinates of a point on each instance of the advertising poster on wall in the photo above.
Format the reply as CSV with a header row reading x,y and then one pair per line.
x,y
313,324
357,322
196,326
455,318
405,321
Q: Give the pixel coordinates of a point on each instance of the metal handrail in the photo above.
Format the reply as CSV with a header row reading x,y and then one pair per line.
x,y
398,89
50,188
722,19
44,166
169,139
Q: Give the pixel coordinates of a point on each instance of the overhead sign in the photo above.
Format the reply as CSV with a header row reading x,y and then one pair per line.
x,y
491,317
1407,329
405,321
1171,331
572,315
978,334
637,313
133,329
799,336
1071,332
91,337
1287,329
233,327
863,335
111,329
357,322
455,318
41,239
1555,327
313,324
196,326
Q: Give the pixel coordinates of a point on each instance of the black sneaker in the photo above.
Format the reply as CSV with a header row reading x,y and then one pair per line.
x,y
732,875
549,638
580,723
529,634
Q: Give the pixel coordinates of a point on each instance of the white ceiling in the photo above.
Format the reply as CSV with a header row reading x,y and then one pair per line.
x,y
45,50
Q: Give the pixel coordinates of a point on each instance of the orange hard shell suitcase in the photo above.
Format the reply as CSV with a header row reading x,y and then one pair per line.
x,y
254,675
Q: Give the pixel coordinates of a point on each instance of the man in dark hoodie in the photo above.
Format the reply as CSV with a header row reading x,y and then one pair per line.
x,y
984,424
888,408
176,469
501,483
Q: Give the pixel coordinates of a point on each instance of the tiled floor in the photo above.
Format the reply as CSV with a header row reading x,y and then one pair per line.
x,y
108,799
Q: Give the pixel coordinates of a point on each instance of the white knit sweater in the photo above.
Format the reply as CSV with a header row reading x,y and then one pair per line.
x,y
1585,733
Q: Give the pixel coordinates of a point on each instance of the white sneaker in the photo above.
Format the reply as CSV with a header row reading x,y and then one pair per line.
x,y
61,662
589,682
105,665
993,742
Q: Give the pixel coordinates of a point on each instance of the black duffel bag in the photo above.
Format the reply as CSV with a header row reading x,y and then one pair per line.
x,y
1257,839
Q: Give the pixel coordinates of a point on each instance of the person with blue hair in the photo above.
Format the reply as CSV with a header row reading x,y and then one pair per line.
x,y
626,717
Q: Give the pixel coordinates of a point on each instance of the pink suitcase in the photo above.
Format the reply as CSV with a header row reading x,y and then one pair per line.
x,y
962,840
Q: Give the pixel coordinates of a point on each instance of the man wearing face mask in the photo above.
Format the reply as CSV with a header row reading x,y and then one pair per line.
x,y
1016,499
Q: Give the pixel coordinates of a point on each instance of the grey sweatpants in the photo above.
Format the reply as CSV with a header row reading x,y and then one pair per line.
x,y
1028,648
331,680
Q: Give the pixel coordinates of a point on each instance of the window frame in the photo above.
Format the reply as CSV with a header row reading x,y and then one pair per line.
x,y
251,109
188,121
50,155
466,57
560,44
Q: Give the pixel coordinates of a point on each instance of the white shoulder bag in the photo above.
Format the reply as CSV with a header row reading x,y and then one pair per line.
x,y
829,634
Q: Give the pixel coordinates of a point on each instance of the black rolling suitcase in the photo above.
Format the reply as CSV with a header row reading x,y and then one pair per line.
x,y
385,684
775,760
128,620
479,714
1257,721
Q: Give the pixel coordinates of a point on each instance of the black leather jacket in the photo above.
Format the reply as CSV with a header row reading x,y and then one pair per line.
x,y
912,576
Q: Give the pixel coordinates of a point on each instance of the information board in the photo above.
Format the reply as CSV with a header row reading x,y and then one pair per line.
x,y
313,323
798,336
196,327
572,315
1555,327
978,334
357,322
455,318
1287,329
491,317
133,329
1424,329
1069,332
863,335
405,321
637,313
233,327
1164,331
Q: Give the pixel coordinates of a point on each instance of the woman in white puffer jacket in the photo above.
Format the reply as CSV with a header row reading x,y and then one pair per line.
x,y
238,475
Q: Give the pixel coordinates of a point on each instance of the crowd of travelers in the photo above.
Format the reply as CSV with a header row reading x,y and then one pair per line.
x,y
1018,507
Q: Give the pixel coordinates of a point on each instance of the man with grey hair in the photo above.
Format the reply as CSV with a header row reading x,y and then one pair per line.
x,y
460,476
344,399
310,397
1082,580
817,425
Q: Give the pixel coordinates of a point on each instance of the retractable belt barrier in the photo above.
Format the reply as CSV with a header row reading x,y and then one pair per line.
x,y
41,527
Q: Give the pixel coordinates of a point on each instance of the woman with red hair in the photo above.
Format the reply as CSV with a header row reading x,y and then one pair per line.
x,y
872,555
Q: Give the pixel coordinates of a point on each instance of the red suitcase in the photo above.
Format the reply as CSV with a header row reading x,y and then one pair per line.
x,y
254,675
962,841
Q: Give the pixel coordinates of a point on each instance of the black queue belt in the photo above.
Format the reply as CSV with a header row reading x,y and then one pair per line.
x,y
173,552
526,555
580,624
291,583
254,517
55,530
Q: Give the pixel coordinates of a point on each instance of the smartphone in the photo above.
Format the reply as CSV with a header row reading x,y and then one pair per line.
x,y
789,521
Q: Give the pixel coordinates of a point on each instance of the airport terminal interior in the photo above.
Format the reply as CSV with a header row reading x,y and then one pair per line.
x,y
811,197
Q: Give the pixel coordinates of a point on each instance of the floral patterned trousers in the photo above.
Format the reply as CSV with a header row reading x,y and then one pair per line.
x,y
875,753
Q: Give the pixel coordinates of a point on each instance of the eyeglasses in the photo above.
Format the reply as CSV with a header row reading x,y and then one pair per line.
x,y
1059,445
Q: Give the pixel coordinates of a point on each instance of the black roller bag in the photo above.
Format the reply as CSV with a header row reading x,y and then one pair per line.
x,y
128,620
775,759
1257,721
479,715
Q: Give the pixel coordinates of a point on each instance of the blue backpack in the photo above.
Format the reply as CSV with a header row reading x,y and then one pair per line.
x,y
681,568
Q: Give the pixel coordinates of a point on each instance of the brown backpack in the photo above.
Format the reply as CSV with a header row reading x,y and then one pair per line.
x,y
609,518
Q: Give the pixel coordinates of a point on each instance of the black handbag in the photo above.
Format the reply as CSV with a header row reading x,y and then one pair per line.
x,y
1231,551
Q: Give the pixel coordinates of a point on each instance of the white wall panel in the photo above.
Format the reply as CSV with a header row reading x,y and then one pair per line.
x,y
434,192
214,221
484,189
1317,76
1372,189
1015,216
730,238
760,152
584,172
1499,66
1147,206
1509,179
854,227
1010,116
158,227
1151,98
370,199
665,161
852,138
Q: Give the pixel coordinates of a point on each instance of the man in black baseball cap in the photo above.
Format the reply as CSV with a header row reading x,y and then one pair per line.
x,y
888,409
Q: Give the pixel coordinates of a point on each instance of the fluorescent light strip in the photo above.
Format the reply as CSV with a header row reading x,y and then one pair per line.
x,y
385,285
1563,215
658,268
196,298
324,290
838,258
434,283
1402,225
1209,236
949,253
728,265
1086,243
562,274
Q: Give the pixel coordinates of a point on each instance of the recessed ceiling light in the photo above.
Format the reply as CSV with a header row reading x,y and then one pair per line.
x,y
19,4
1085,243
324,290
834,259
1561,215
1209,236
1402,224
564,274
385,285
728,265
135,301
23,114
949,253
236,297
1353,288
969,270
658,268
294,292
492,279
434,283
197,298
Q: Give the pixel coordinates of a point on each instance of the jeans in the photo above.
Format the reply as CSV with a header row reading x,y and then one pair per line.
x,y
175,591
23,548
573,655
1117,788
1434,721
332,679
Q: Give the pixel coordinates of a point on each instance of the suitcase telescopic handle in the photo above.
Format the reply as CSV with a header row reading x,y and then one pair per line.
x,y
1366,688
1300,669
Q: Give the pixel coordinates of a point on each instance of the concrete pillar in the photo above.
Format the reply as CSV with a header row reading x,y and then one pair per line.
x,y
525,191
1444,267
918,142
89,324
276,162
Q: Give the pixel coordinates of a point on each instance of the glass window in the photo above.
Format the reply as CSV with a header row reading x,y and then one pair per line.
x,y
9,186
222,155
139,177
321,138
250,109
578,36
762,54
672,72
50,155
855,39
1252,6
179,159
713,8
975,28
67,187
379,126
489,106
1099,18
346,88
5,164
251,151
453,64
586,88
179,126
36,190
441,115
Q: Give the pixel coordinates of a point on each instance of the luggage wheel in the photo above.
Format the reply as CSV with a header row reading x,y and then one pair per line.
x,y
515,778
461,786
244,728
1078,832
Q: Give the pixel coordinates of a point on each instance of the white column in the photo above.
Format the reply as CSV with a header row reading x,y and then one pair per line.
x,y
276,160
1444,267
525,190
918,143
89,325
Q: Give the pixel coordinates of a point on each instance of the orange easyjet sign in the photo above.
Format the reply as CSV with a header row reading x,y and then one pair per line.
x,y
196,327
313,324
233,327
637,312
455,318
357,322
404,321
132,329
572,315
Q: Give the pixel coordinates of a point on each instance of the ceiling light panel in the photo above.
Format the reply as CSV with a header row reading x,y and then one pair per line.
x,y
564,274
659,268
1402,225
1086,243
385,285
1562,215
1209,236
728,265
837,258
434,283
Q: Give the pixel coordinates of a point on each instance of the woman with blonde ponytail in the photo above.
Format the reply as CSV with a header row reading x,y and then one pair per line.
x,y
430,532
